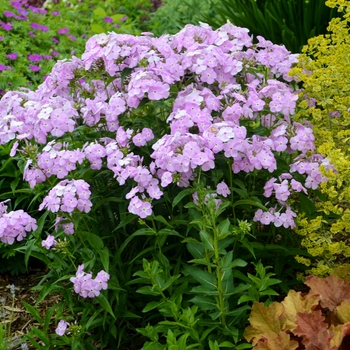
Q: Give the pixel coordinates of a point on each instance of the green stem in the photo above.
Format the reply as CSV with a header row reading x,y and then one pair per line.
x,y
219,274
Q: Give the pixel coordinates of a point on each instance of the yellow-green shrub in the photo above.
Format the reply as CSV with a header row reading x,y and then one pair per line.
x,y
324,69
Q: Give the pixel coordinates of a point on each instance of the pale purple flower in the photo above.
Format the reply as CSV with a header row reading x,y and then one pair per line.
x,y
223,189
48,242
55,13
61,328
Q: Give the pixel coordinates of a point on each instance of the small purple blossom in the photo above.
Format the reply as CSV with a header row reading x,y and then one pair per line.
x,y
61,327
8,14
55,13
6,26
63,31
55,40
12,56
34,57
37,26
108,19
34,68
48,242
223,189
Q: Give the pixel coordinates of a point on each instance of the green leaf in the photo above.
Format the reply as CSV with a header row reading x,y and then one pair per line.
x,y
204,303
147,290
116,17
203,277
104,256
206,239
196,249
33,311
101,299
100,12
181,195
252,202
97,28
40,334
152,305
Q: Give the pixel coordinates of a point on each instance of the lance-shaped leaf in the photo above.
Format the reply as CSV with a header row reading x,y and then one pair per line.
x,y
294,303
275,341
331,290
264,320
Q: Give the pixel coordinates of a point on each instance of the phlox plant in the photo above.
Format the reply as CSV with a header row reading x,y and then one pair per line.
x,y
167,169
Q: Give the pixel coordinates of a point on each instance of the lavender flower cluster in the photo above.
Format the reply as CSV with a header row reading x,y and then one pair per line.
x,y
15,224
89,287
222,81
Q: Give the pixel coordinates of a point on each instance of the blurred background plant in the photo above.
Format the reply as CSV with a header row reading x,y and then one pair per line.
x,y
287,22
32,39
175,14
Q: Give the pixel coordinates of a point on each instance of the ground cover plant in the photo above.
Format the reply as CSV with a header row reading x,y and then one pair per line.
x,y
318,319
169,173
323,71
32,39
287,22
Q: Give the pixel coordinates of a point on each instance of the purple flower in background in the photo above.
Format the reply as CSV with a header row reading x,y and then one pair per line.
x,y
117,25
2,67
108,19
61,328
72,37
6,26
55,13
15,4
22,12
34,68
63,31
123,19
47,57
8,14
1,37
37,10
55,53
32,34
55,40
37,26
21,18
12,56
34,57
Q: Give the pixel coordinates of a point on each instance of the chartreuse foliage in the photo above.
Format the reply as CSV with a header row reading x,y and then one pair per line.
x,y
319,319
325,74
288,22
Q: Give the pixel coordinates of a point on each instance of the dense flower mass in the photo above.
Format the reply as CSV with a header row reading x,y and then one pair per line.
x,y
226,98
15,224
